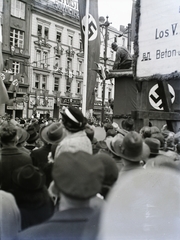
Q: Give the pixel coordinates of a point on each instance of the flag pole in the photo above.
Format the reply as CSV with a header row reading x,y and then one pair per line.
x,y
84,95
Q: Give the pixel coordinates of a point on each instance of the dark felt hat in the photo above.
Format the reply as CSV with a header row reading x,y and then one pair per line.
x,y
73,119
78,175
34,135
111,169
28,177
22,134
154,145
133,148
52,133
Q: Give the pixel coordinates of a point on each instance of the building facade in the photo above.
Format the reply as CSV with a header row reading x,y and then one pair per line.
x,y
42,43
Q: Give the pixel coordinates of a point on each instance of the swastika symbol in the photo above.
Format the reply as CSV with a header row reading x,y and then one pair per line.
x,y
92,35
154,96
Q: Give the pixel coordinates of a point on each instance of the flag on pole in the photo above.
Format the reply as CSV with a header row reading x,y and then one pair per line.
x,y
93,45
3,91
133,20
14,87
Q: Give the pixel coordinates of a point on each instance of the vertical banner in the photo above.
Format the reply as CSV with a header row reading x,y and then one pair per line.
x,y
3,92
37,94
58,99
93,45
46,92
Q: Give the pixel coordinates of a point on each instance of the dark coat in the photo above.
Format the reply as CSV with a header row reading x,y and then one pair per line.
x,y
40,160
11,159
67,224
35,206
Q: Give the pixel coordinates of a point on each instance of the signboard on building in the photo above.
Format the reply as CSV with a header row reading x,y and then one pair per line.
x,y
158,38
41,105
66,7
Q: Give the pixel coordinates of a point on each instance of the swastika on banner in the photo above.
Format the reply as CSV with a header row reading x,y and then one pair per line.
x,y
92,27
155,99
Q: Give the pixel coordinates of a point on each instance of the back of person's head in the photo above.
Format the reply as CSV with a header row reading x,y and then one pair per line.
x,y
8,134
143,205
114,46
108,126
111,133
78,175
128,124
145,132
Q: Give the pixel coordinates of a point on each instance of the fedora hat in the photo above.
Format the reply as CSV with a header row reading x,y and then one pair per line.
x,y
22,134
128,124
114,144
78,175
133,148
33,134
53,133
73,119
154,145
28,177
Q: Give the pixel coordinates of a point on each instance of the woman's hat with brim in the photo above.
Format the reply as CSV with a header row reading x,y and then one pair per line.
x,y
52,133
133,148
28,177
22,134
73,119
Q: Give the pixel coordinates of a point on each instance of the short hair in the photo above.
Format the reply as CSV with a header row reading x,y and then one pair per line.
x,y
8,133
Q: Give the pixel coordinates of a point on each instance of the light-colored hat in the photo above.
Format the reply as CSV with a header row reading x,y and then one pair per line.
x,y
114,144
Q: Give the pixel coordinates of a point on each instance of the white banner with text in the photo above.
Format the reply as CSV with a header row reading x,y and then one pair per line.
x,y
158,38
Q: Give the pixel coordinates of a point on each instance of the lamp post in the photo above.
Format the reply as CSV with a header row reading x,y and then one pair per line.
x,y
105,25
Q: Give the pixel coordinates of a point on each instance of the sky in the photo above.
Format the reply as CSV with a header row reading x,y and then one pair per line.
x,y
119,11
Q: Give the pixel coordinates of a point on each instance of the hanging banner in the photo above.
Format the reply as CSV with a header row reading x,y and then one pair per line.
x,y
58,99
37,94
46,97
93,45
158,38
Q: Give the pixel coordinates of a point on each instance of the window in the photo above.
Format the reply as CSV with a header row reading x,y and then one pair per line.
x,y
43,31
46,32
56,84
68,85
18,9
80,45
80,68
16,38
45,57
38,58
16,67
109,93
58,36
44,81
37,81
39,30
70,40
69,65
79,86
57,63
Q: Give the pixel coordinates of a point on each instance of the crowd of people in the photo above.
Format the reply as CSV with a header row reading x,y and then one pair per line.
x,y
57,181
